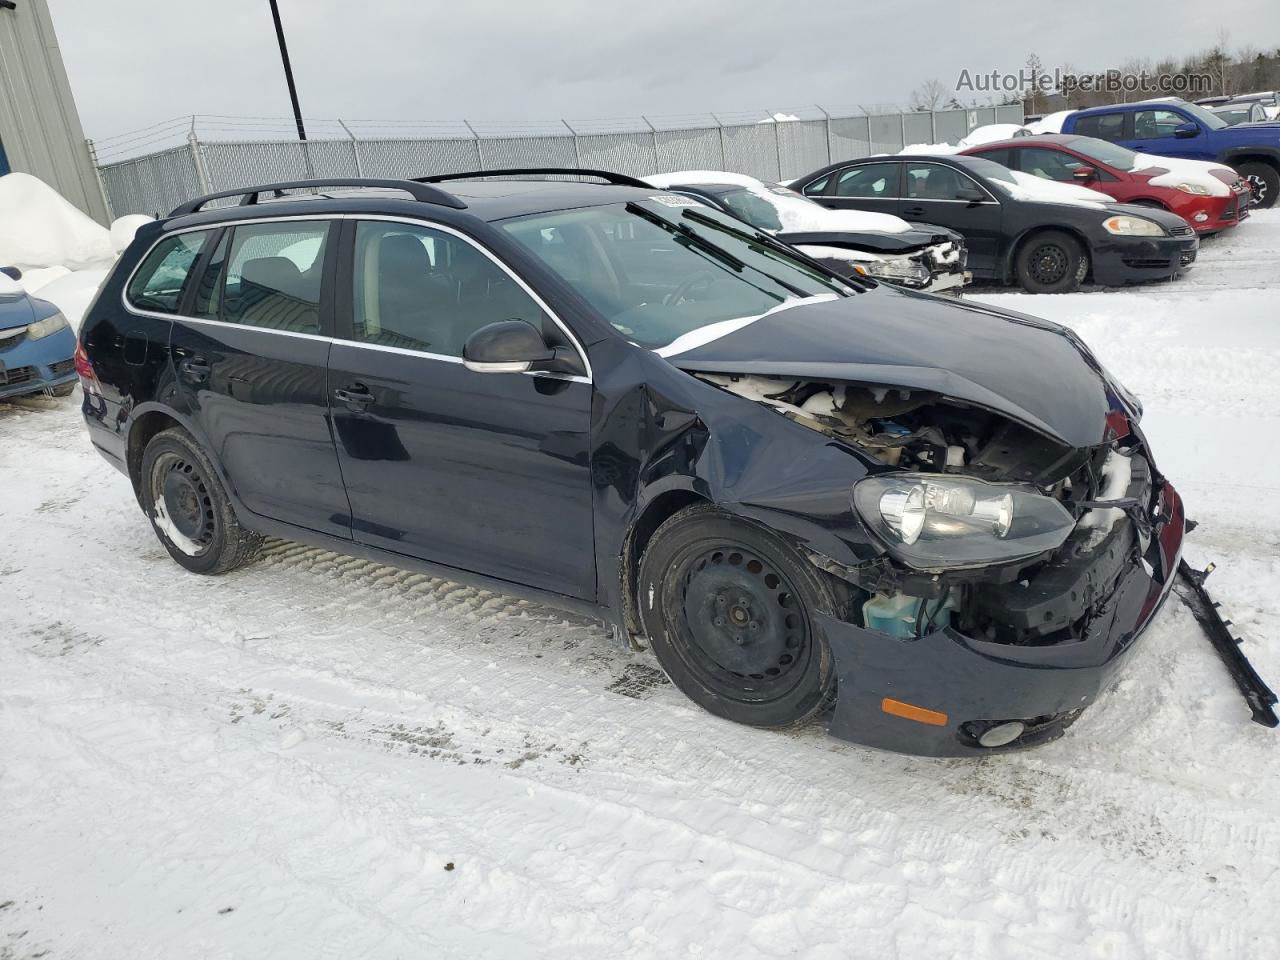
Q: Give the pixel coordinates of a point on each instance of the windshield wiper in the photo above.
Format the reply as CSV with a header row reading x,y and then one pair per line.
x,y
690,234
773,243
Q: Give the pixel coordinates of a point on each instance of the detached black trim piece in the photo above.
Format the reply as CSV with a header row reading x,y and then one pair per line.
x,y
617,179
249,195
1259,696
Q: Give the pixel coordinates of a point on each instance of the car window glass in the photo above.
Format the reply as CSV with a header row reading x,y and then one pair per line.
x,y
1002,156
162,278
1150,124
933,181
872,180
423,289
268,275
818,186
1104,126
657,274
1049,164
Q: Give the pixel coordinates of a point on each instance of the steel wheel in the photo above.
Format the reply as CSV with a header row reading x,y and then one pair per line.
x,y
183,504
1049,263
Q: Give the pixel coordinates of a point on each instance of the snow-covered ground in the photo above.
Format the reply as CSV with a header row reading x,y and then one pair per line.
x,y
321,757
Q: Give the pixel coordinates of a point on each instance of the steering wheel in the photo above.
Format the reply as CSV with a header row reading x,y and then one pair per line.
x,y
681,293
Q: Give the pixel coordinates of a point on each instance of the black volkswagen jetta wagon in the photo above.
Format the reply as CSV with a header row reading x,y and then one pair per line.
x,y
937,522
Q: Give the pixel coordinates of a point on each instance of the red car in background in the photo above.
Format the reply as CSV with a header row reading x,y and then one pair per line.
x,y
1208,196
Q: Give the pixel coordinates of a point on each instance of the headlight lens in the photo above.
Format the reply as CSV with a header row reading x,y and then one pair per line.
x,y
47,327
937,522
1195,188
896,269
1126,226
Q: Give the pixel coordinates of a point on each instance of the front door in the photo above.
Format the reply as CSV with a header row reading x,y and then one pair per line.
x,y
486,472
937,193
249,359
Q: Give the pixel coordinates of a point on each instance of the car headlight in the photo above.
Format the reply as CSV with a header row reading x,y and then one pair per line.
x,y
937,522
897,269
47,327
1126,226
1195,188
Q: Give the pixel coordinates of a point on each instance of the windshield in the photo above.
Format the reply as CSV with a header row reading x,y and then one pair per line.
x,y
754,208
658,272
1108,153
1206,117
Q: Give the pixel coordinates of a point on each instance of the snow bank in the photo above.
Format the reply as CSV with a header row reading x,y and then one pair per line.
x,y
1049,124
992,133
797,214
124,228
944,149
40,228
72,292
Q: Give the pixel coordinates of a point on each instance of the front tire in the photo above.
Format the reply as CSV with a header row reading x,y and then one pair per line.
x,y
1050,262
188,509
727,607
1264,179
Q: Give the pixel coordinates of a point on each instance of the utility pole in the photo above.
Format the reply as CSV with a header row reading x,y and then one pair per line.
x,y
288,71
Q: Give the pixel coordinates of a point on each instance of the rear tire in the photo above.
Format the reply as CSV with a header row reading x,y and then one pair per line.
x,y
727,607
1050,262
188,509
1265,181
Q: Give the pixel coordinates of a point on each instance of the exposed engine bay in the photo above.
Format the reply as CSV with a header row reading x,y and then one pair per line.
x,y
1051,597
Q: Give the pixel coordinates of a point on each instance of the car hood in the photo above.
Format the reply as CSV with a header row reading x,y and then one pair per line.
x,y
1033,371
15,310
917,238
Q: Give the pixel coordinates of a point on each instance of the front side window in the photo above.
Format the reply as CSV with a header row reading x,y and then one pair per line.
x,y
423,289
266,275
874,181
162,279
934,181
657,273
1104,126
1153,124
1049,164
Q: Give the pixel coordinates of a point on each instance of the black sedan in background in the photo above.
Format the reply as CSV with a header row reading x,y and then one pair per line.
x,y
1047,237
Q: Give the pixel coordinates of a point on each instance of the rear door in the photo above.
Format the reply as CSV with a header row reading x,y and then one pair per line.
x,y
250,358
486,472
941,194
1113,127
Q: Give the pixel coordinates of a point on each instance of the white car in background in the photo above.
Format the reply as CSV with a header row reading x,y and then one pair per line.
x,y
881,246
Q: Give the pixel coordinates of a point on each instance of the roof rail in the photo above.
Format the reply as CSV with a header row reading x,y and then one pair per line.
x,y
249,195
617,179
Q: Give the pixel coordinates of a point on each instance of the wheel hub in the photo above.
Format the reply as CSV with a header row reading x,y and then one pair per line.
x,y
184,503
1049,264
1259,188
742,616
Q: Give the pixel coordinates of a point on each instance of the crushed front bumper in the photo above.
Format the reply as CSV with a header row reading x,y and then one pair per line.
x,y
934,695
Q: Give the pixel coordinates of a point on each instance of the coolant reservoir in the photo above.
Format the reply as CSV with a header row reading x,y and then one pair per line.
x,y
895,614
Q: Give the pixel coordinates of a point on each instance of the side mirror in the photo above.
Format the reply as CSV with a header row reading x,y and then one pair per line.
x,y
1083,173
508,346
13,273
1184,131
970,195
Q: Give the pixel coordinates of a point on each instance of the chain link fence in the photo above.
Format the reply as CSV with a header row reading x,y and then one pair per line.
x,y
771,147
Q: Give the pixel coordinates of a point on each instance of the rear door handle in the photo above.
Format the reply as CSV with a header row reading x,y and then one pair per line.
x,y
355,395
195,369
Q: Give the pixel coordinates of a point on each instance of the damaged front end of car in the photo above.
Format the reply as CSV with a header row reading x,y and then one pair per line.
x,y
1014,568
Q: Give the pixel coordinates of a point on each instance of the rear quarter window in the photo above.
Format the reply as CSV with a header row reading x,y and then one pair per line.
x,y
162,278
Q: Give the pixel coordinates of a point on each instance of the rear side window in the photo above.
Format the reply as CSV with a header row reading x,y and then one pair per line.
x,y
422,289
1002,156
162,279
266,275
1104,126
875,181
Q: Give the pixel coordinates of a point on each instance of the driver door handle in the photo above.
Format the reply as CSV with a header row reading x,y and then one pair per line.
x,y
355,395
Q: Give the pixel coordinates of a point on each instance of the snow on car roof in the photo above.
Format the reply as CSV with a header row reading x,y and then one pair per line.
x,y
797,214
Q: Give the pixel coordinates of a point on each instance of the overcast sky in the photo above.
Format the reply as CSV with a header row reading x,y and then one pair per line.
x,y
135,62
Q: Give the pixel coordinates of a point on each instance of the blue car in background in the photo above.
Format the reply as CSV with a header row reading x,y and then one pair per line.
x,y
37,346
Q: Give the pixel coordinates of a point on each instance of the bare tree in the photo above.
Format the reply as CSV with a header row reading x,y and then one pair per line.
x,y
927,96
1035,67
